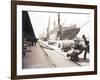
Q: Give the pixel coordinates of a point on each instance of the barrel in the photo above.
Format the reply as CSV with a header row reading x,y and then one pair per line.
x,y
65,44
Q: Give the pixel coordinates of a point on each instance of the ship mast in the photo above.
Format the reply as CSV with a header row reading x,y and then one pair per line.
x,y
59,32
48,28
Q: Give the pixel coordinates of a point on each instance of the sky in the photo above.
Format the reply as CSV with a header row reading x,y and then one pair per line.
x,y
40,21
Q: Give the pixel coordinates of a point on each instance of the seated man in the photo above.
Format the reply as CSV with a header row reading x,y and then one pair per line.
x,y
76,50
74,55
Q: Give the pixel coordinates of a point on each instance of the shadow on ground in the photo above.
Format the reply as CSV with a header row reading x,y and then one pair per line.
x,y
84,60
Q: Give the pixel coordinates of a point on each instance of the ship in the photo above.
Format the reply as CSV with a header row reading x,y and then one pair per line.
x,y
62,33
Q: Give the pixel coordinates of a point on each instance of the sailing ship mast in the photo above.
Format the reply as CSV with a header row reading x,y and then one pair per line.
x,y
59,32
48,37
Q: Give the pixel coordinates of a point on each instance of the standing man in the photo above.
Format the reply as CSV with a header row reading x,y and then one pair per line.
x,y
87,46
35,41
